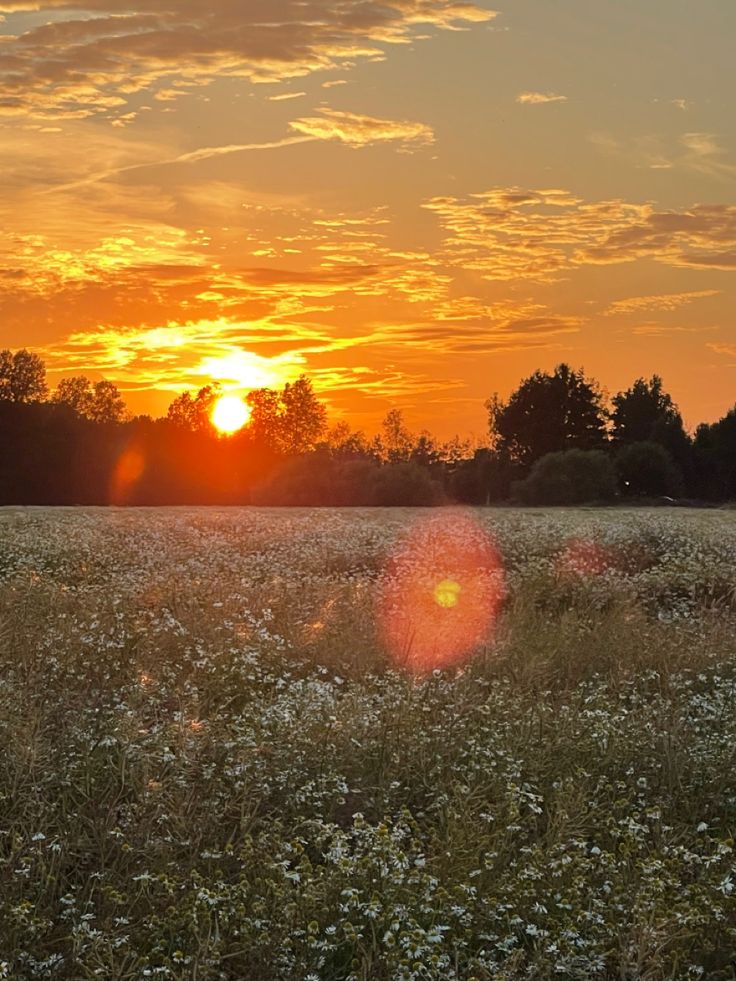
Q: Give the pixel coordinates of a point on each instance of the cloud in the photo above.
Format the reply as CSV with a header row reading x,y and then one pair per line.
x,y
286,96
666,330
539,98
193,156
728,349
359,131
698,152
95,54
511,233
174,356
666,301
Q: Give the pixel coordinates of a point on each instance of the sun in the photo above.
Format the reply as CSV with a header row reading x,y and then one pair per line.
x,y
230,414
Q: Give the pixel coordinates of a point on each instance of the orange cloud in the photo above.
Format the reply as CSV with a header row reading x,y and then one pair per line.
x,y
667,301
509,233
76,66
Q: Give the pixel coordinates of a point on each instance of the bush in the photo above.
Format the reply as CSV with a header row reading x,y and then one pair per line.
x,y
647,470
569,477
318,480
404,485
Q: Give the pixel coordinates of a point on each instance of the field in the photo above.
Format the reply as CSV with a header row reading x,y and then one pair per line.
x,y
215,765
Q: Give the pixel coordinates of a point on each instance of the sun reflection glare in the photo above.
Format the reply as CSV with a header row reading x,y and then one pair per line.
x,y
230,414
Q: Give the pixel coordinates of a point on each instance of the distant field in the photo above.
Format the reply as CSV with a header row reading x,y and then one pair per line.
x,y
214,767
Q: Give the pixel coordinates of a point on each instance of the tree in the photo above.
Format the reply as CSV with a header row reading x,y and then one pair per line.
x,y
98,402
569,477
303,417
425,451
22,377
405,485
646,469
396,439
715,457
76,393
547,414
194,413
107,403
639,410
264,427
344,443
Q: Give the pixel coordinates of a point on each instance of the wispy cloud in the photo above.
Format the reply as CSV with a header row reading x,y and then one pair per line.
x,y
665,301
358,130
539,98
286,96
193,156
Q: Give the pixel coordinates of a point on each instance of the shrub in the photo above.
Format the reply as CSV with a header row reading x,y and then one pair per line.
x,y
318,480
569,477
647,470
404,485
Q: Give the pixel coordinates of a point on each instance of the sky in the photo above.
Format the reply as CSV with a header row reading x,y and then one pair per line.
x,y
414,202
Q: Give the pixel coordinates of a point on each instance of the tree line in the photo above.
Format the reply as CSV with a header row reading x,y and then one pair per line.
x,y
554,440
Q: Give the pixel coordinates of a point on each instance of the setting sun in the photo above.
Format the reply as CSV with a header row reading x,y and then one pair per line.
x,y
230,414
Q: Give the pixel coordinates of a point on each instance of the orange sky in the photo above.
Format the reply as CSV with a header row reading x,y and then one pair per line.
x,y
416,202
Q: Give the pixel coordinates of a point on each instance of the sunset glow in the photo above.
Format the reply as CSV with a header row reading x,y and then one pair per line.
x,y
230,414
414,202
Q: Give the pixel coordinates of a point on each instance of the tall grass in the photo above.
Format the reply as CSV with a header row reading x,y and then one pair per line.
x,y
209,775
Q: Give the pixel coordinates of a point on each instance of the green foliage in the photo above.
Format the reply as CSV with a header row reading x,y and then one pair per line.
x,y
569,477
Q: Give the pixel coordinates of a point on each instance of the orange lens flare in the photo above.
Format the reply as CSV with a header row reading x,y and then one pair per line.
x,y
230,414
441,595
128,471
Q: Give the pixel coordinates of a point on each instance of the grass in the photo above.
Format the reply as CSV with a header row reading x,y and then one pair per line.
x,y
212,769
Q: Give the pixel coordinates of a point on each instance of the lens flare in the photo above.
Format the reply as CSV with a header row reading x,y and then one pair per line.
x,y
447,593
441,593
127,473
230,414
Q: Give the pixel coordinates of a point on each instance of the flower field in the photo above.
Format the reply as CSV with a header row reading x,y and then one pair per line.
x,y
367,745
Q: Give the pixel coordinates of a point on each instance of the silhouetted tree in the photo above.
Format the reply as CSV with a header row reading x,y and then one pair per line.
x,y
107,403
264,427
640,409
194,413
546,414
344,443
425,452
646,413
715,458
98,402
396,439
22,377
303,418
